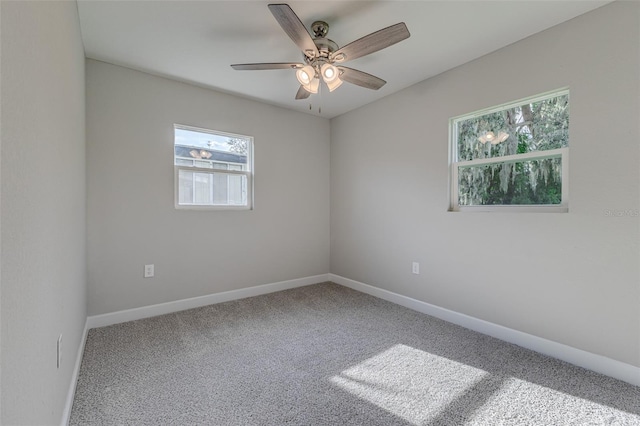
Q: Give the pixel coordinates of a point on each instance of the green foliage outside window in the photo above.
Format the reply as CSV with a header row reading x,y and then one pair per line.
x,y
533,127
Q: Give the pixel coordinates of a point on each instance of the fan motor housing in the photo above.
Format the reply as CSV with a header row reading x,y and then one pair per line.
x,y
325,45
325,48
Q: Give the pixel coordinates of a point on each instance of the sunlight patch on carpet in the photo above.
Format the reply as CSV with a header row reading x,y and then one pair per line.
x,y
409,383
520,401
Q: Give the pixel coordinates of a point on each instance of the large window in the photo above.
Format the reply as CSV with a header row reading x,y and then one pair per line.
x,y
512,157
213,169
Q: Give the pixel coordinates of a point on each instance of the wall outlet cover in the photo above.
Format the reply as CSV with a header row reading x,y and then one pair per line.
x,y
149,271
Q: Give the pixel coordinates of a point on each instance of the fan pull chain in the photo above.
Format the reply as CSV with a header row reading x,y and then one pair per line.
x,y
320,94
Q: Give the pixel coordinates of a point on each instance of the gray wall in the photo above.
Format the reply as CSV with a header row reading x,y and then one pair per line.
x,y
571,278
131,216
43,207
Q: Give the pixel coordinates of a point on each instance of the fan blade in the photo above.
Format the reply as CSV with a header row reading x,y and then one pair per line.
x,y
267,66
302,93
361,78
372,42
294,28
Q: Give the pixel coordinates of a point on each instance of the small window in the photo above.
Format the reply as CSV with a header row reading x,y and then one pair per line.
x,y
512,157
212,169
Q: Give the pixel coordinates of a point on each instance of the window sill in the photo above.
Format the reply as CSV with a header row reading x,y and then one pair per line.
x,y
511,209
208,208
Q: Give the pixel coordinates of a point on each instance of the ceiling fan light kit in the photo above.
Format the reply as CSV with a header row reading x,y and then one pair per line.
x,y
329,72
333,84
305,74
313,86
331,76
320,53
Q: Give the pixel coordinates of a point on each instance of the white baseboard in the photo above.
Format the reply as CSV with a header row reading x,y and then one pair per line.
x,y
66,414
196,302
588,360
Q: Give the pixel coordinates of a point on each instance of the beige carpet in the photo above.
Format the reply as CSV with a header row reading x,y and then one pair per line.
x,y
328,355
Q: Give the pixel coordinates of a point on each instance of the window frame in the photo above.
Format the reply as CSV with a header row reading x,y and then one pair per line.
x,y
455,165
248,173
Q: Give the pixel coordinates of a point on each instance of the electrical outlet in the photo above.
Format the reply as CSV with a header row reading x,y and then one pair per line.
x,y
149,271
59,352
415,268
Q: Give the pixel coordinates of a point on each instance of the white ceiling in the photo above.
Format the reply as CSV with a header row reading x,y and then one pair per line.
x,y
196,41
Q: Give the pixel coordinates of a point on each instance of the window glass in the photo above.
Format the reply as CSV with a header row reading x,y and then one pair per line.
x,y
530,127
512,155
212,168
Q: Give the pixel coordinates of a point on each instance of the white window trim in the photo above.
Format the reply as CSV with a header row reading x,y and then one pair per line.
x,y
454,164
248,173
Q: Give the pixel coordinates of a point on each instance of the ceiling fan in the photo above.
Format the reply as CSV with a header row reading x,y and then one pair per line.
x,y
322,57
